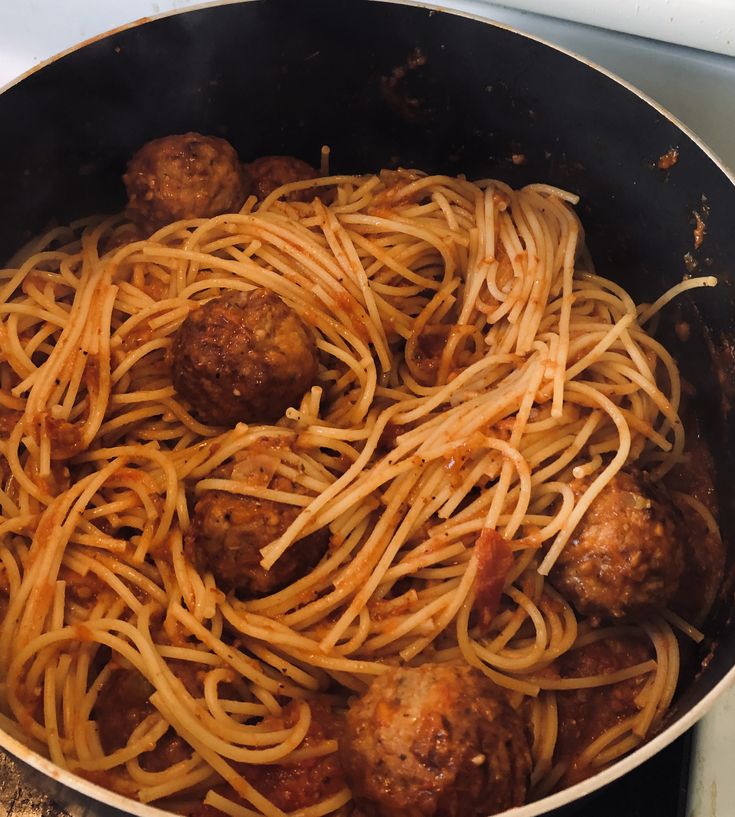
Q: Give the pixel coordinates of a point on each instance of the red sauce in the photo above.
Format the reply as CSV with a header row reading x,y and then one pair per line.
x,y
297,785
429,347
387,439
494,560
351,308
81,589
83,633
65,437
706,554
584,714
138,336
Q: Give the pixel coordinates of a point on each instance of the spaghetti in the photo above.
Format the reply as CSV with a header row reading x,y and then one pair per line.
x,y
472,365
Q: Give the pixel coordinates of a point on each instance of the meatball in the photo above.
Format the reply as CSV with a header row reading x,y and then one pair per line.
x,y
123,704
270,172
243,357
228,531
626,556
435,740
184,176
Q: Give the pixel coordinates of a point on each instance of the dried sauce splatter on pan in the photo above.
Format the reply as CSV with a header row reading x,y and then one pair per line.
x,y
668,159
699,230
397,93
700,222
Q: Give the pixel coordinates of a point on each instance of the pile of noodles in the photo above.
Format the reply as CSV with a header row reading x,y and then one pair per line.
x,y
472,365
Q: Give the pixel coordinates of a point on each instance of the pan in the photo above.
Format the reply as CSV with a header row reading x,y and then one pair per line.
x,y
389,85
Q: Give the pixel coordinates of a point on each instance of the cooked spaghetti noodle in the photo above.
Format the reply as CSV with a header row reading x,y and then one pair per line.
x,y
472,365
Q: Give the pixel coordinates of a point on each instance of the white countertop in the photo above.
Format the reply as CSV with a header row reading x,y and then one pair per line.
x,y
696,86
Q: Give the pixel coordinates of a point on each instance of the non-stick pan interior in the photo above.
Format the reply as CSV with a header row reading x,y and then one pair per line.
x,y
383,85
387,85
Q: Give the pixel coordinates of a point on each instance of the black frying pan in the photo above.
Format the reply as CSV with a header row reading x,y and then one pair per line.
x,y
387,85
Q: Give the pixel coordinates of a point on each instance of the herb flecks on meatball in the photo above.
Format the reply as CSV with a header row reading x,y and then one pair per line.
x,y
228,531
184,176
270,172
243,357
435,740
626,556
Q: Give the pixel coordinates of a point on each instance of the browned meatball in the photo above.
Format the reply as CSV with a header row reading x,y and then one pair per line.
x,y
184,176
626,556
435,740
123,704
270,172
243,357
226,535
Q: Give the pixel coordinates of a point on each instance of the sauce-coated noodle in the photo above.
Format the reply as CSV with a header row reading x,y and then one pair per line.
x,y
471,367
